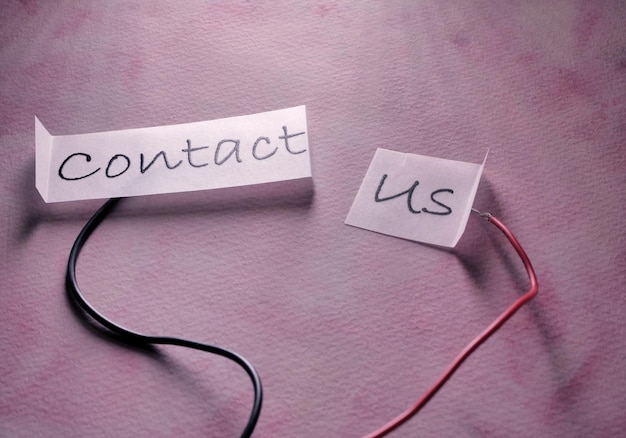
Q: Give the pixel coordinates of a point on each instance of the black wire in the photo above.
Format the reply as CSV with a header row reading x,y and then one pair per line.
x,y
132,337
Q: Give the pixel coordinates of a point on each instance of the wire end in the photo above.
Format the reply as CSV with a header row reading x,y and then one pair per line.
x,y
481,214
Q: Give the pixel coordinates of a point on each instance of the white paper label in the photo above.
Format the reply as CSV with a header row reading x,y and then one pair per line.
x,y
415,197
237,151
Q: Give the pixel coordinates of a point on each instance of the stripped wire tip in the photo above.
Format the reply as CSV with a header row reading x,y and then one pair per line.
x,y
481,214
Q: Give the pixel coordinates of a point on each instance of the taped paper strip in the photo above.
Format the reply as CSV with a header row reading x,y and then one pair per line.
x,y
232,152
416,197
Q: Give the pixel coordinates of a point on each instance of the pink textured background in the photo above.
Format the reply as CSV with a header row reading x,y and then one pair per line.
x,y
346,327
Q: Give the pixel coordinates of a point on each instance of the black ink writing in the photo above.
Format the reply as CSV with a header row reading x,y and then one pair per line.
x,y
408,192
441,204
409,198
87,159
113,158
286,137
143,169
256,143
235,151
73,168
189,150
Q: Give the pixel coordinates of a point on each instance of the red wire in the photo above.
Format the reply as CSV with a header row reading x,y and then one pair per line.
x,y
469,349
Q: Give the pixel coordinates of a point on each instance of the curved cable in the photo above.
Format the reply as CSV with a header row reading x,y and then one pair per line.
x,y
476,342
134,337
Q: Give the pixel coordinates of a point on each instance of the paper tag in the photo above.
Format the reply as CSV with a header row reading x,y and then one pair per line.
x,y
236,151
416,197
